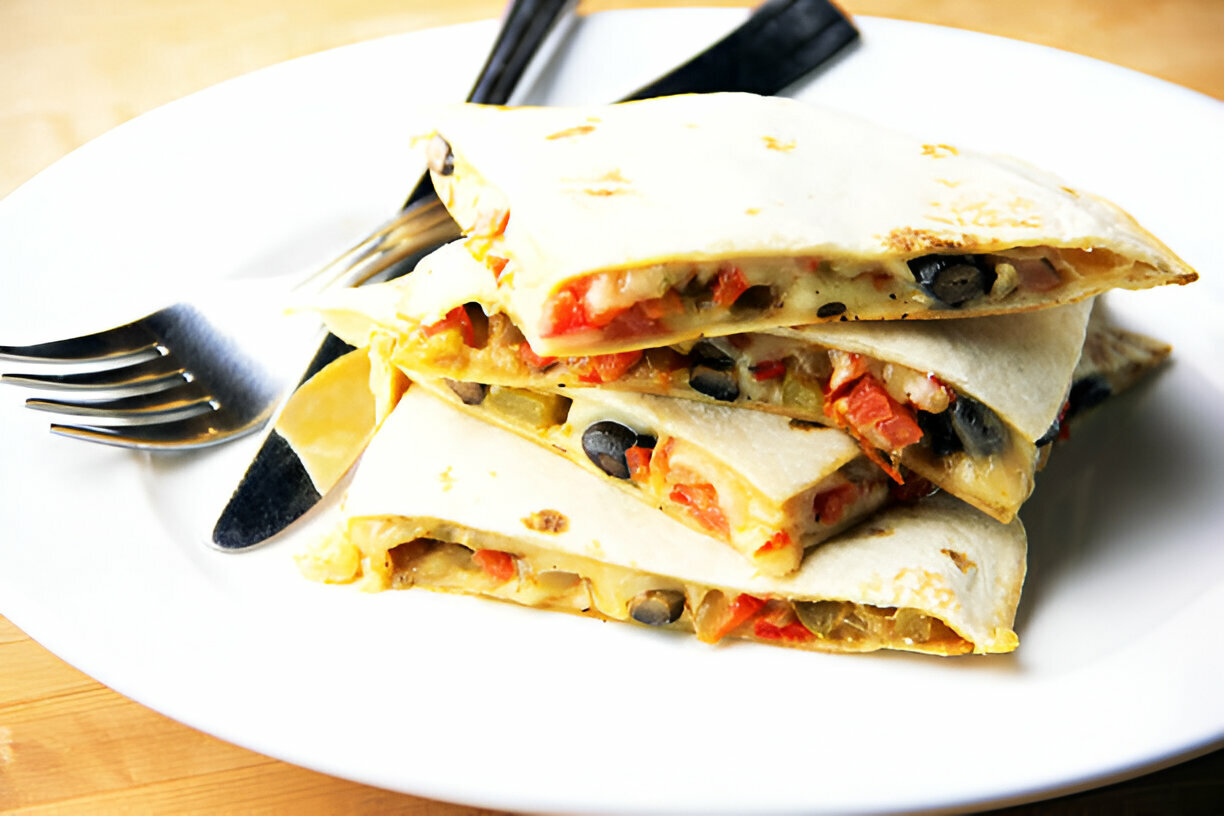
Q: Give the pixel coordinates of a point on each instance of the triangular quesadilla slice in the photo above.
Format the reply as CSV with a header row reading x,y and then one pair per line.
x,y
638,225
963,402
500,517
767,486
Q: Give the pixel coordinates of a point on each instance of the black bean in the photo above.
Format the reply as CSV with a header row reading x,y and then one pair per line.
x,y
953,279
471,393
938,432
710,355
440,157
978,427
605,444
657,607
754,299
831,309
713,382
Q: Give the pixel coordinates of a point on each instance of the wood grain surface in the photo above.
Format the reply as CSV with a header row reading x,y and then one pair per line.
x,y
74,69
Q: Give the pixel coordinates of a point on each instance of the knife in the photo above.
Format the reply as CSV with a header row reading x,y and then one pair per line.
x,y
782,41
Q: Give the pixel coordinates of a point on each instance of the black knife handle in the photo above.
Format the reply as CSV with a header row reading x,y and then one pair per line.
x,y
525,26
782,41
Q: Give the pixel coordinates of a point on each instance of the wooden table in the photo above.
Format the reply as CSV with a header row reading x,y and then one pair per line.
x,y
74,69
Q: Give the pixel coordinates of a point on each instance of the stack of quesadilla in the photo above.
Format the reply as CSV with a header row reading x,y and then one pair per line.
x,y
833,356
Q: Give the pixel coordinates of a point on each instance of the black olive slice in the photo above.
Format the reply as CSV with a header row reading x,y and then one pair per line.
x,y
657,607
953,279
712,372
605,443
978,427
938,432
754,299
1086,392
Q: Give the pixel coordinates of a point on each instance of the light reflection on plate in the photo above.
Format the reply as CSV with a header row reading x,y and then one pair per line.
x,y
102,558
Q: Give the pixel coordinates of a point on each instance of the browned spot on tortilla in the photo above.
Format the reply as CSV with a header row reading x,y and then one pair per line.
x,y
909,239
948,182
547,521
939,151
752,211
879,532
774,143
447,480
961,560
577,130
804,425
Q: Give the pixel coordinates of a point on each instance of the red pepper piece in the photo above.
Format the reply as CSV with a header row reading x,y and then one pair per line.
x,y
777,541
738,611
457,318
729,285
768,370
496,564
701,500
606,368
638,459
794,632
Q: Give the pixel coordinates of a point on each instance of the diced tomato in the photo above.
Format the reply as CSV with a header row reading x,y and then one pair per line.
x,y
869,407
738,611
532,359
867,403
793,632
901,429
457,318
701,500
729,285
638,459
565,312
777,541
829,506
768,370
606,368
496,564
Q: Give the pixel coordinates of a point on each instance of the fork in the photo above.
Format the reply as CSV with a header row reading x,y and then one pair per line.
x,y
204,371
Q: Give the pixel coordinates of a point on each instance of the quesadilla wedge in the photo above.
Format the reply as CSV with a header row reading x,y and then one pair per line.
x,y
613,228
767,486
961,402
510,521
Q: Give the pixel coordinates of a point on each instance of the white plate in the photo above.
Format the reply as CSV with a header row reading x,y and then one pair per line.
x,y
102,557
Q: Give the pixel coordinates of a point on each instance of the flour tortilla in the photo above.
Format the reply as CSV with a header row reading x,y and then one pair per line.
x,y
435,473
742,179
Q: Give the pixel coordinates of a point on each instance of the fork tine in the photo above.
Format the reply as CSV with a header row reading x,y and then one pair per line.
x,y
195,431
146,374
181,398
121,341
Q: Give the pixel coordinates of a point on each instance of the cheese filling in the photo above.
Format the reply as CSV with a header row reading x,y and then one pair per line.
x,y
397,553
680,476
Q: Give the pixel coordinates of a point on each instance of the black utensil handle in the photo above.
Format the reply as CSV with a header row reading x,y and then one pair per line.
x,y
782,41
525,27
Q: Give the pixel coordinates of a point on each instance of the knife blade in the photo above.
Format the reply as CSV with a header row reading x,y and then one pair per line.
x,y
780,42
